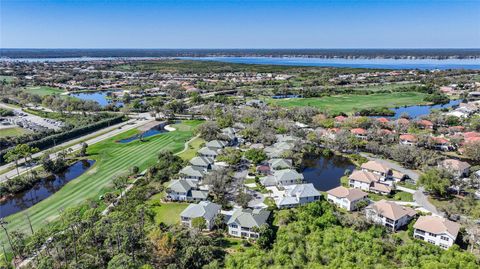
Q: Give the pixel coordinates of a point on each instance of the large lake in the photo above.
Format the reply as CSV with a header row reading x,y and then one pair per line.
x,y
353,63
325,172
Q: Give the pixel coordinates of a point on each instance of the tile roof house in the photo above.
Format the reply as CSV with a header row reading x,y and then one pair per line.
x,y
456,167
425,124
436,230
346,198
243,222
368,181
383,120
408,139
205,209
359,133
376,168
389,214
402,121
441,143
298,194
340,119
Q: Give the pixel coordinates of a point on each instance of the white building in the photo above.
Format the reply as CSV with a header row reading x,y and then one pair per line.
x,y
244,222
205,209
346,198
389,214
436,230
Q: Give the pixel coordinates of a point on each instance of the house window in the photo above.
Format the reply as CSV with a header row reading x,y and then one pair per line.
x,y
431,241
432,235
443,246
234,232
245,234
444,238
234,226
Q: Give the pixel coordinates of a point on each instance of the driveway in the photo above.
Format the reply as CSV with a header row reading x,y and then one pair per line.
x,y
419,196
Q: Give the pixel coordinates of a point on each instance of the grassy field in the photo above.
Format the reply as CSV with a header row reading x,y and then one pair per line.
x,y
349,102
111,158
192,148
44,90
7,79
13,131
168,213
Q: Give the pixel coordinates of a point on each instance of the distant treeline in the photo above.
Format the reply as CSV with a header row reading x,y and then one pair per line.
x,y
314,53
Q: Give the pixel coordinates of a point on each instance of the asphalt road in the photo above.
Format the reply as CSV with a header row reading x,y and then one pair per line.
x,y
95,138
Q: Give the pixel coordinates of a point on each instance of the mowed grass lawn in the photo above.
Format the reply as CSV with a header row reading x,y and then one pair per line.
x,y
13,131
168,213
111,158
350,102
44,90
192,149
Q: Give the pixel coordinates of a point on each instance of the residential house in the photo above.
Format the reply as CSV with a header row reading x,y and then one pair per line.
x,y
216,144
244,222
192,172
346,198
205,209
440,143
377,168
383,120
359,133
202,162
185,190
425,124
402,122
340,119
408,139
389,214
298,194
436,230
368,181
282,177
457,168
208,152
278,164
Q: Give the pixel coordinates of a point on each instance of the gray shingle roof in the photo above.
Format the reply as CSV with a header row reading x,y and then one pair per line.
x,y
301,190
216,144
205,209
287,174
181,185
280,163
192,171
249,218
201,161
208,151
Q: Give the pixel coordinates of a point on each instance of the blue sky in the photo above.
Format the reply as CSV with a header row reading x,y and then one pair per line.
x,y
239,24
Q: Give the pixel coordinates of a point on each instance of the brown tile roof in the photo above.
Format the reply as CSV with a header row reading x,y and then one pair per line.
x,y
381,188
437,225
425,123
383,120
364,176
408,137
340,118
359,131
392,210
349,194
440,140
376,166
403,121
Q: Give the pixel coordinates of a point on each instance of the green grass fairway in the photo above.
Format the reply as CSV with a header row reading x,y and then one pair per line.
x,y
349,103
192,148
13,131
112,158
44,90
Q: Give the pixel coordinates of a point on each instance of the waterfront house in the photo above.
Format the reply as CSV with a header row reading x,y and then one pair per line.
x,y
297,194
282,177
278,164
245,222
377,168
436,230
359,133
204,209
369,181
346,198
425,124
389,214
